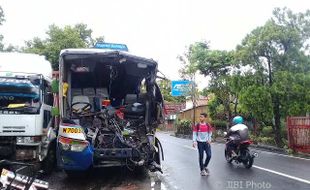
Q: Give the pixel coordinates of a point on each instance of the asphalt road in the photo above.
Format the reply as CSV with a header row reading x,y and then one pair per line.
x,y
270,170
107,179
181,171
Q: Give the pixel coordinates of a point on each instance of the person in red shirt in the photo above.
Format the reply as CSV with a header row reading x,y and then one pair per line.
x,y
202,134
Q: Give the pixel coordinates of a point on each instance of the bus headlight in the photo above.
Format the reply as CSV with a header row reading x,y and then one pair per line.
x,y
68,144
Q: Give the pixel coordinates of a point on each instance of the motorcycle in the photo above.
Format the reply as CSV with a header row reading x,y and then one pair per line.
x,y
11,180
241,153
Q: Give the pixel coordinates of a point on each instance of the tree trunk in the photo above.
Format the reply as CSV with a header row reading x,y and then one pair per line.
x,y
269,69
236,105
277,121
227,106
194,110
229,113
276,110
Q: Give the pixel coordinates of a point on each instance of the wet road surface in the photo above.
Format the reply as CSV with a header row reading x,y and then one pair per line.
x,y
181,171
270,171
105,179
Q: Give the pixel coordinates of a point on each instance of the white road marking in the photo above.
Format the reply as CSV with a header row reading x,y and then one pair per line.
x,y
267,152
283,155
282,174
257,167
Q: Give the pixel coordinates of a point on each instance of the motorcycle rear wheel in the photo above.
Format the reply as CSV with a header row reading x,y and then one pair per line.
x,y
227,157
248,162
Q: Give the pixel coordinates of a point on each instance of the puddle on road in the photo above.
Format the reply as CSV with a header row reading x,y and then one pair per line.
x,y
156,182
153,182
111,179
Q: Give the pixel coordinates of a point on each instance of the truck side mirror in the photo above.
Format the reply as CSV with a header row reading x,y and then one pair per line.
x,y
55,86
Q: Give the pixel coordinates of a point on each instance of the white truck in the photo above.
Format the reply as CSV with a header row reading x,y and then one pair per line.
x,y
26,122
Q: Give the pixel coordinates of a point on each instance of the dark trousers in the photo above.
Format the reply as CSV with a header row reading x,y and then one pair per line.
x,y
204,147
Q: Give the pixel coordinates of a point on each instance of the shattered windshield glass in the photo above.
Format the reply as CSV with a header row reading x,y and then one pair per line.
x,y
18,93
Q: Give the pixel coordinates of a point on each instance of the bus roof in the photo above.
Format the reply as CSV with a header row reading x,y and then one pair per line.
x,y
106,52
25,63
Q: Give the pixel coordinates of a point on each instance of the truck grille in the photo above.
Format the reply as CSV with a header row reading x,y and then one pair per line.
x,y
13,129
10,112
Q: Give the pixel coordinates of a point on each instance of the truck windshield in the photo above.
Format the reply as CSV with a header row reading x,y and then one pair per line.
x,y
19,94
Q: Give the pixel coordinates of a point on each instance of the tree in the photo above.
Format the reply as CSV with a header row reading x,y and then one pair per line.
x,y
78,36
267,77
9,48
258,100
1,22
188,72
278,46
216,64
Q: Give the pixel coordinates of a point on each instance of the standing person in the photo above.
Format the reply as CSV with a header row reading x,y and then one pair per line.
x,y
202,133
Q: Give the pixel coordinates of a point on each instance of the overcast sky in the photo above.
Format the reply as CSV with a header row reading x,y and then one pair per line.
x,y
160,29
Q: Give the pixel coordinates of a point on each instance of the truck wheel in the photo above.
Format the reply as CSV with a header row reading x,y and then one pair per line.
x,y
49,162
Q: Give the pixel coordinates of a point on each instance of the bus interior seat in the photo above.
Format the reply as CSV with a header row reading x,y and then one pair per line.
x,y
90,92
76,92
81,99
133,109
131,99
102,93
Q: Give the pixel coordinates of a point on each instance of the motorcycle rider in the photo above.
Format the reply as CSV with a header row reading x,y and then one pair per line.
x,y
236,134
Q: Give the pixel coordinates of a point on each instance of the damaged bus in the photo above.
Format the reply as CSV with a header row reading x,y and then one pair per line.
x,y
110,107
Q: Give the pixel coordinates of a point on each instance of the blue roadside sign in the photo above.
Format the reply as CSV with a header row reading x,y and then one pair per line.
x,y
111,46
180,87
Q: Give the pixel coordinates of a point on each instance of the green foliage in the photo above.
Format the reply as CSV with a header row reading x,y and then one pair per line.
x,y
254,138
295,98
219,125
285,143
257,101
1,22
212,62
267,131
216,64
290,151
10,47
276,52
78,36
1,16
55,111
188,71
184,127
274,79
55,86
284,133
267,140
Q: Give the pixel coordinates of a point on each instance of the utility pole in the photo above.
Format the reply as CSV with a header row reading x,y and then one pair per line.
x,y
193,97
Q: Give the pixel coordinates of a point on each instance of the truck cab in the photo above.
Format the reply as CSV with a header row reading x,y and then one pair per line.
x,y
110,107
26,123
